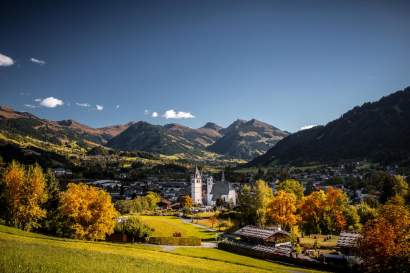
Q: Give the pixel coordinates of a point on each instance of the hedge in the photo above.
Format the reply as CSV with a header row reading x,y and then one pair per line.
x,y
175,241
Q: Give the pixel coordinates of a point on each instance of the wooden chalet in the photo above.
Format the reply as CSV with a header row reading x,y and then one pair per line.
x,y
164,204
262,236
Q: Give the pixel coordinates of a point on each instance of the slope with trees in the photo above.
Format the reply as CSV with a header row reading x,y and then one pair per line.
x,y
377,131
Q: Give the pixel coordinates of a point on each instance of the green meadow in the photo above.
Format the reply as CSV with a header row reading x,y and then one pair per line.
x,y
28,252
165,226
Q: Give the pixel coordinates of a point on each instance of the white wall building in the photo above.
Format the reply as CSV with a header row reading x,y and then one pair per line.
x,y
196,187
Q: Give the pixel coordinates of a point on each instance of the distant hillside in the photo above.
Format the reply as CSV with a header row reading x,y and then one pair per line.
x,y
168,139
378,131
151,138
242,139
58,132
247,139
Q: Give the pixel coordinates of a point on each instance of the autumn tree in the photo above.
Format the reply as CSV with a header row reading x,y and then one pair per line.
x,y
393,185
366,212
385,245
352,217
153,199
282,209
291,186
312,211
186,202
213,220
335,211
25,192
263,197
88,212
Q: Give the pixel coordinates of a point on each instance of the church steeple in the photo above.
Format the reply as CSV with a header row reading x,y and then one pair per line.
x,y
197,173
196,187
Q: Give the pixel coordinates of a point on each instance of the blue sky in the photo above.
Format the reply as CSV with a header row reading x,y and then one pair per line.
x,y
288,63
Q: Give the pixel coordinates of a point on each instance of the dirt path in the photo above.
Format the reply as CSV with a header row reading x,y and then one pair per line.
x,y
189,221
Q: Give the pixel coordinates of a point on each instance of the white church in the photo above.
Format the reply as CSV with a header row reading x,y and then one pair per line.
x,y
213,190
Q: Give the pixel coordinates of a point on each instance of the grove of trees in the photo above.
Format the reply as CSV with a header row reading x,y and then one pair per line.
x,y
31,200
139,204
319,212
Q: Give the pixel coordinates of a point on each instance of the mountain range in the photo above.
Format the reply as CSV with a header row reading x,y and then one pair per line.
x,y
241,140
378,131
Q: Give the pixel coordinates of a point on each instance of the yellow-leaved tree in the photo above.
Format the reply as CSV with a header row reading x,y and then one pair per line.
x,y
282,209
263,197
25,190
87,212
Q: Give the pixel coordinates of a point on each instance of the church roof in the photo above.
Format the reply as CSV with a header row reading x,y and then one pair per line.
x,y
220,188
197,172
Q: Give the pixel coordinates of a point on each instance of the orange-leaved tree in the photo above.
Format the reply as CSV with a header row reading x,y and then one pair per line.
x,y
336,205
312,211
87,212
282,209
385,245
25,190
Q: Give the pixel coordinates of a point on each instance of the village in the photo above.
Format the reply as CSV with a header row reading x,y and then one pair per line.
x,y
211,197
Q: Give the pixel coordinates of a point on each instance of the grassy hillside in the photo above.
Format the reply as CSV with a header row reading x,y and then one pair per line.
x,y
166,225
27,252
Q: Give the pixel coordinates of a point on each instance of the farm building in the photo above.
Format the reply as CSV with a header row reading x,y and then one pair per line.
x,y
263,236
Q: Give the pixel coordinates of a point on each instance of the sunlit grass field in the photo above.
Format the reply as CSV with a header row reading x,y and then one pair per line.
x,y
309,241
27,252
165,226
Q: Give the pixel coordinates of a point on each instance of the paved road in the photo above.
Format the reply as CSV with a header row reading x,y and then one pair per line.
x,y
203,245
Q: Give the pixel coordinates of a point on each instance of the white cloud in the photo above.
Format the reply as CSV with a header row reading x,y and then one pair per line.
x,y
82,104
173,114
50,102
99,107
307,127
154,114
37,61
30,106
5,60
117,107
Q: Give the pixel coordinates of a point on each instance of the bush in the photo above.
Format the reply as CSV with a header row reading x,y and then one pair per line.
x,y
177,234
135,230
176,241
